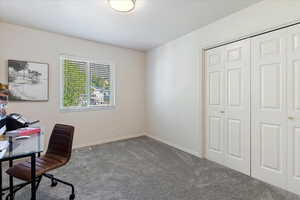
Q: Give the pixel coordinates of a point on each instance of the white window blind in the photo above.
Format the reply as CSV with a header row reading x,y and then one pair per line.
x,y
100,86
86,84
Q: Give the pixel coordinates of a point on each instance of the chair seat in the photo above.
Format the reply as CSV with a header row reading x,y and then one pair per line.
x,y
43,165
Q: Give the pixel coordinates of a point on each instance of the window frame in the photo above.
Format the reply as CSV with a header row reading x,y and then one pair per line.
x,y
112,104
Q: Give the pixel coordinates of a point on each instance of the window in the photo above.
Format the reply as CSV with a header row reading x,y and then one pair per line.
x,y
86,84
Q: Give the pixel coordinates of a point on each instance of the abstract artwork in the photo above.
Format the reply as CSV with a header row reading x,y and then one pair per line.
x,y
28,81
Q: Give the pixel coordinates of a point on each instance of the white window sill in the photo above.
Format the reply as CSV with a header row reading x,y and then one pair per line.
x,y
89,108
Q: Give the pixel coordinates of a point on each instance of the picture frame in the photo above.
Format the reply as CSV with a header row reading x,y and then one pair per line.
x,y
28,81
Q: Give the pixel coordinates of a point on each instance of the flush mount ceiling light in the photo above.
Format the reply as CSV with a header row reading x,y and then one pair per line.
x,y
122,5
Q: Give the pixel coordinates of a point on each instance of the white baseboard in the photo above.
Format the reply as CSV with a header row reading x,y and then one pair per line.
x,y
139,135
175,146
109,140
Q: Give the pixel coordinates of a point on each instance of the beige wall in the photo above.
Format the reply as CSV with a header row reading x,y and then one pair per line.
x,y
93,127
174,72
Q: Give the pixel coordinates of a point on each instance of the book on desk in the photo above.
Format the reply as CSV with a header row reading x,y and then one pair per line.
x,y
23,131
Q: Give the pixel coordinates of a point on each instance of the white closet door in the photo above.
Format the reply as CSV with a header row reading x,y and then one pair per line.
x,y
293,59
215,105
237,106
269,121
228,103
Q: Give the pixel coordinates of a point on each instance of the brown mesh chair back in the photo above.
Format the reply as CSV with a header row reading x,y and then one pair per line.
x,y
61,141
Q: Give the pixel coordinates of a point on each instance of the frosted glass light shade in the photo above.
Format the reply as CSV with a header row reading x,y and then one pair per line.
x,y
122,5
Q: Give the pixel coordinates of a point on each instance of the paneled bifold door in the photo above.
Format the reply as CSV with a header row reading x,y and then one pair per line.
x,y
293,102
269,110
276,108
228,105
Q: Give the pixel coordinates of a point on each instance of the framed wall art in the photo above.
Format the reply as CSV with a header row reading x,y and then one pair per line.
x,y
28,81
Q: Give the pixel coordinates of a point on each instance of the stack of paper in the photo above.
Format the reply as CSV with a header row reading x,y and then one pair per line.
x,y
3,145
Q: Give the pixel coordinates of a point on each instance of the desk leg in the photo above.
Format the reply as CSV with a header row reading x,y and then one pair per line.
x,y
33,186
1,181
11,183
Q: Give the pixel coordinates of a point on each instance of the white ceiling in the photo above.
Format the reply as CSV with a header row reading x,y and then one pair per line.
x,y
153,23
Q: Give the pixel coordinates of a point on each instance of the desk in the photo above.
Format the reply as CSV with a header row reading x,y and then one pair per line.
x,y
18,149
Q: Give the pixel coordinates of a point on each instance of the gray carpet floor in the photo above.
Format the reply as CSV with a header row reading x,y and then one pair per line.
x,y
144,169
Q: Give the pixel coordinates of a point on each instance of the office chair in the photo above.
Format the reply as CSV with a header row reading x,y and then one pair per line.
x,y
58,154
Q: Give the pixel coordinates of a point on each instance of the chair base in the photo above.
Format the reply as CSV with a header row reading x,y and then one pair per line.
x,y
54,182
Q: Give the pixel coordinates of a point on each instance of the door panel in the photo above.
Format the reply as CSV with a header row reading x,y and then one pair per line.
x,y
270,81
237,106
234,87
293,81
270,47
234,138
270,146
228,102
214,131
215,84
269,111
215,105
296,84
296,153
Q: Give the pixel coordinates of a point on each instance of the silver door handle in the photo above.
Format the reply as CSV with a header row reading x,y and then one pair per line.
x,y
222,111
291,118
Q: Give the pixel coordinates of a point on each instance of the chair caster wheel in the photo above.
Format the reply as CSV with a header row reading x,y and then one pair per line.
x,y
53,183
72,196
